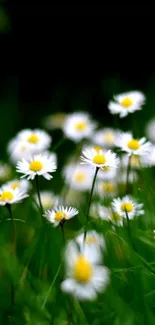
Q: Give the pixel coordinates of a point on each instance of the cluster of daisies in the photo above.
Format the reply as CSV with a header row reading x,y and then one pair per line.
x,y
106,154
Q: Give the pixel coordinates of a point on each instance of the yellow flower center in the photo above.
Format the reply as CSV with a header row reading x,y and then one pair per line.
x,y
109,137
97,148
36,166
60,215
6,196
15,185
91,239
126,102
115,217
80,126
127,206
107,187
33,138
80,177
133,144
82,270
99,159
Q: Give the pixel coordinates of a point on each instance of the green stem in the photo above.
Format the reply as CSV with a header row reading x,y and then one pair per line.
x,y
128,173
89,202
51,286
38,193
14,235
58,144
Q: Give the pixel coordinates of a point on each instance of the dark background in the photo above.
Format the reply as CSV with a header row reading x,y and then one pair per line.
x,y
70,57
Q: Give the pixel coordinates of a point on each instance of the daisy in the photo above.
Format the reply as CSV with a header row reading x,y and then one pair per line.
x,y
17,150
127,205
106,213
86,276
78,126
5,171
136,161
99,158
39,164
55,121
126,103
133,146
150,130
8,195
78,177
48,200
107,173
106,189
60,214
23,184
106,137
36,140
93,240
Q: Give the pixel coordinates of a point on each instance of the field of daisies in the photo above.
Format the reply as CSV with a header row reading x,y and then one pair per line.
x,y
77,221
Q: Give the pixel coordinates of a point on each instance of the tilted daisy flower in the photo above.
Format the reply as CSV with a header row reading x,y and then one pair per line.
x,y
93,239
127,205
8,195
107,173
5,172
23,184
55,121
106,213
150,130
48,199
126,103
39,164
78,126
133,146
86,275
106,189
36,140
99,158
17,150
60,214
136,161
106,137
78,177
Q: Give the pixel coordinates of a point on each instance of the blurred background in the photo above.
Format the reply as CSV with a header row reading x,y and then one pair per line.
x,y
62,58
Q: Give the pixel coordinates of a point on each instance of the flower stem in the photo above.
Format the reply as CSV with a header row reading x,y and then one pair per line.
x,y
13,240
38,193
128,173
89,202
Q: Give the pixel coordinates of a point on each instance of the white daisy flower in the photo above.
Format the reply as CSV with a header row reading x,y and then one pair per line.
x,y
39,164
55,121
8,195
136,161
78,126
36,140
150,159
17,150
86,277
60,214
126,103
99,158
5,171
23,184
93,240
48,199
106,137
106,189
127,205
133,146
106,213
150,130
107,173
78,177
